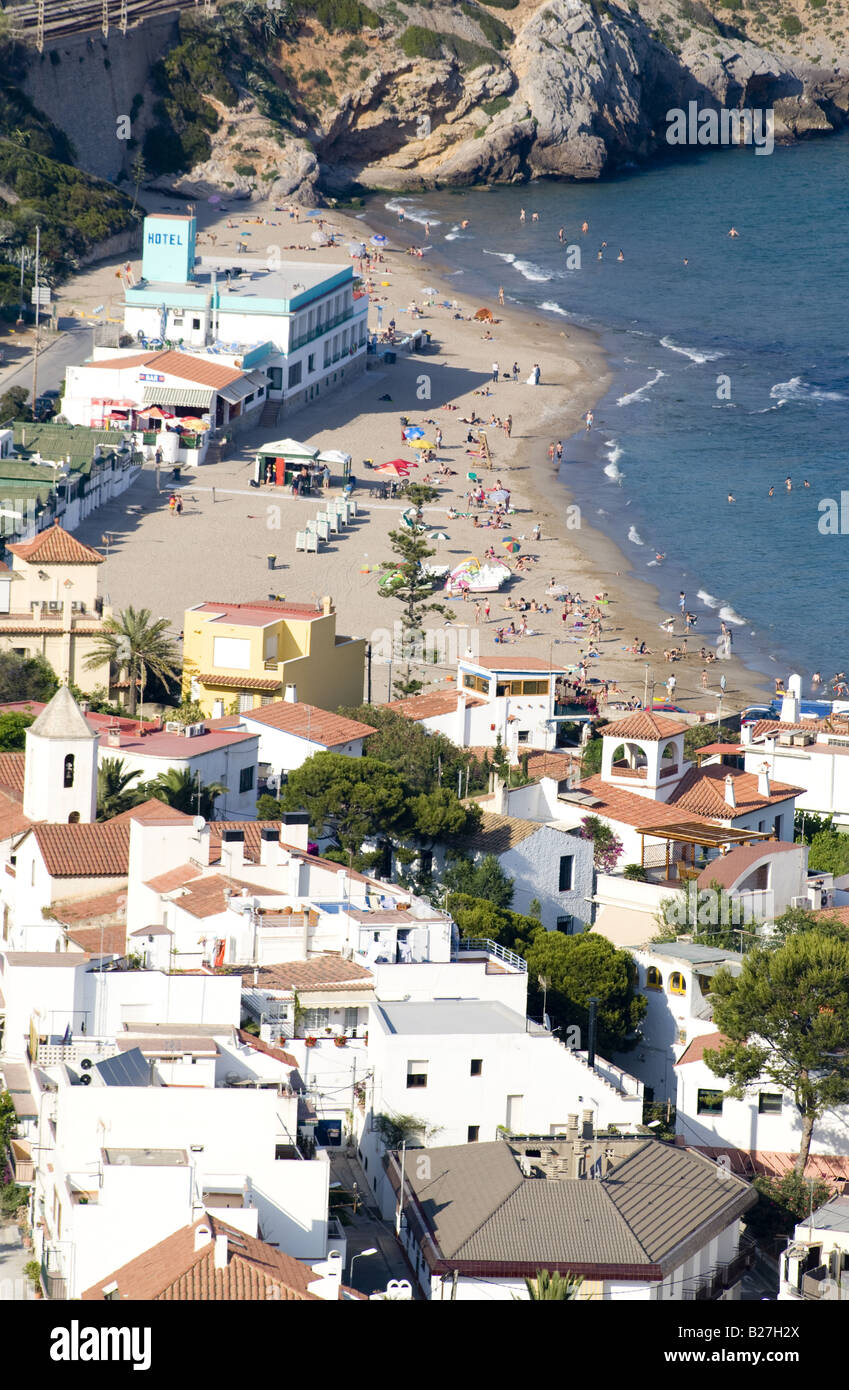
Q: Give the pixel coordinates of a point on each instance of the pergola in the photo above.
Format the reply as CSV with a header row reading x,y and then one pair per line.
x,y
695,833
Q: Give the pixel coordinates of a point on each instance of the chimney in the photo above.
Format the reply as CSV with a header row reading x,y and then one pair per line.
x,y
203,1235
204,839
789,709
232,851
295,865
730,798
460,736
290,694
113,738
269,847
609,1160
572,1127
577,1165
295,829
587,1123
326,605
499,796
763,780
221,1250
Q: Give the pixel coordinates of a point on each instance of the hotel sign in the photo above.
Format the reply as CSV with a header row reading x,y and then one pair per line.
x,y
151,376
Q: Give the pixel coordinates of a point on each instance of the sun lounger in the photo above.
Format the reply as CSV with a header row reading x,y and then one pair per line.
x,y
306,541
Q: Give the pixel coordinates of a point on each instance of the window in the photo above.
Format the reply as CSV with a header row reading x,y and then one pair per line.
x,y
472,1134
566,924
567,865
523,735
654,979
778,820
416,1074
315,1019
177,320
676,983
246,702
195,323
295,374
68,779
246,779
311,362
476,1068
709,1103
351,1019
475,683
770,1103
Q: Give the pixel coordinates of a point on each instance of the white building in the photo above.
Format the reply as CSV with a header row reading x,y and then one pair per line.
x,y
766,1120
302,325
812,753
815,1264
512,697
477,1220
212,754
291,731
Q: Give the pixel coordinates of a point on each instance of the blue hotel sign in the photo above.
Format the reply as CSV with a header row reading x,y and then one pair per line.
x,y
164,239
169,249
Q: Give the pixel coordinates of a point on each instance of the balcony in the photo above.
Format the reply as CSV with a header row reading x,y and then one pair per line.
x,y
469,946
621,768
326,327
723,1276
23,1163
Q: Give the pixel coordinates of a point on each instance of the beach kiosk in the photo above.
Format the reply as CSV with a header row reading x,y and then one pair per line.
x,y
281,460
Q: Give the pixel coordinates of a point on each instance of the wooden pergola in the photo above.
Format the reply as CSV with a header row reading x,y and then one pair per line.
x,y
696,834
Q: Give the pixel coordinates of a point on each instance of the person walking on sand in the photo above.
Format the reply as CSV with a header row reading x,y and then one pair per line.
x,y
558,452
515,371
501,295
508,426
172,504
494,372
588,420
486,610
536,534
179,506
704,678
477,614
551,448
438,438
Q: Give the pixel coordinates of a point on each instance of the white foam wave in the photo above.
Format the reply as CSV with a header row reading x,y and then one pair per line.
x,y
728,615
614,450
507,256
614,473
634,536
708,599
411,212
638,394
798,390
532,272
553,308
693,353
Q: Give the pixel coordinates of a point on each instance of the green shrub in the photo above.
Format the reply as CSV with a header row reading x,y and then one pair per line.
x,y
502,4
499,35
497,104
245,171
417,42
791,25
341,16
636,872
355,49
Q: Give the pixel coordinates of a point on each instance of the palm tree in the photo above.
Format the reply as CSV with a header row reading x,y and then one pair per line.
x,y
135,642
184,790
112,784
562,1287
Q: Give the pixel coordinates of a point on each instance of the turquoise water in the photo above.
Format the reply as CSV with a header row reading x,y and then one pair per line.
x,y
731,372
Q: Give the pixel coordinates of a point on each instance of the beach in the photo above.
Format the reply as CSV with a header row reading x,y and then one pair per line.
x,y
218,548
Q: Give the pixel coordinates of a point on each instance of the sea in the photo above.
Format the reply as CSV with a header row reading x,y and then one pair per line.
x,y
730,358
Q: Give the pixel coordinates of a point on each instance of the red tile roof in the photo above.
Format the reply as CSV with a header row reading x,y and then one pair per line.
x,y
695,1052
174,1271
642,724
179,364
12,768
728,867
219,682
276,1052
149,812
328,972
702,792
431,703
628,808
174,878
718,748
308,722
772,1164
206,897
174,746
77,912
99,850
96,941
12,819
777,726
267,609
496,662
56,546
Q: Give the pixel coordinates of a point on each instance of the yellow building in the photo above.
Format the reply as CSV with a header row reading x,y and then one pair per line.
x,y
49,605
251,653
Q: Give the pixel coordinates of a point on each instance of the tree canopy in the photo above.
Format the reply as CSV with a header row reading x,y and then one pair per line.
x,y
585,965
26,678
477,916
787,1020
424,760
13,727
485,880
829,852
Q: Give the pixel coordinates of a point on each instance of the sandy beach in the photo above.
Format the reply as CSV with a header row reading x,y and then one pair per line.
x,y
218,548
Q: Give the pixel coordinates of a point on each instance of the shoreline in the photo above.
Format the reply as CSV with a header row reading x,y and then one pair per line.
x,y
358,418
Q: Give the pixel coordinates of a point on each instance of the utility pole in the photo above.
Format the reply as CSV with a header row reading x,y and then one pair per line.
x,y
124,17
39,31
400,1210
368,673
37,308
104,23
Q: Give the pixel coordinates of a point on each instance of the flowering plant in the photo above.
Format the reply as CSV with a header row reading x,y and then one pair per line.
x,y
607,846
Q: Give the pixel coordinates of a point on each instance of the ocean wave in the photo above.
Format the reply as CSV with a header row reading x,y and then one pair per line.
x,y
693,353
798,390
634,536
638,394
728,615
553,308
708,599
411,212
532,272
507,256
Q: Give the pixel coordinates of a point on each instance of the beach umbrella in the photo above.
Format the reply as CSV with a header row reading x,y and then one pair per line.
x,y
422,444
511,546
484,315
472,477
378,239
437,536
400,463
414,432
429,289
397,468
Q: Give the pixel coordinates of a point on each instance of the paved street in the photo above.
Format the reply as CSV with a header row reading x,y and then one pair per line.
x,y
14,1284
71,346
366,1231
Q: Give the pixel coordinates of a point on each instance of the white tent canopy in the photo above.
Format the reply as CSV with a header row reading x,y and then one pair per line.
x,y
334,456
289,449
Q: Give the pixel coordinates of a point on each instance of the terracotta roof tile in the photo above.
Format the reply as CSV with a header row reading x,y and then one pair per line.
x,y
77,912
99,850
56,546
430,704
174,878
276,1052
150,811
728,867
643,724
206,897
12,819
12,767
173,1271
179,364
627,807
96,941
219,682
320,972
308,722
702,792
695,1052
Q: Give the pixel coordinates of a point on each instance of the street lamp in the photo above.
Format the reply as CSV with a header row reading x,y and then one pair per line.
x,y
361,1254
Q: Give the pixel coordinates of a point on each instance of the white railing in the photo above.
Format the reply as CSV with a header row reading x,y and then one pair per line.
x,y
483,944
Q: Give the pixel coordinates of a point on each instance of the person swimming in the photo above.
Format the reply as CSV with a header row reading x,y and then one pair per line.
x,y
788,484
731,497
620,257
733,232
585,226
771,492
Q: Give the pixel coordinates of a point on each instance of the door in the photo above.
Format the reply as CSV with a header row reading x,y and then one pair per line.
x,y
514,1114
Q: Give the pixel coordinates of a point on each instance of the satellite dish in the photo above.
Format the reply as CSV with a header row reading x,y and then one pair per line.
x,y
85,1080
199,824
86,1064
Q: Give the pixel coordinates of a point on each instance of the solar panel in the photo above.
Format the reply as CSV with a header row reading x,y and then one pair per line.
x,y
127,1069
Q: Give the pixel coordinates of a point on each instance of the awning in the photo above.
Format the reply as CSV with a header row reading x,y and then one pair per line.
x,y
288,449
216,682
257,378
237,390
198,397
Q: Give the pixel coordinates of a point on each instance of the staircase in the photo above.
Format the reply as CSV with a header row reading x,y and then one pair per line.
x,y
270,414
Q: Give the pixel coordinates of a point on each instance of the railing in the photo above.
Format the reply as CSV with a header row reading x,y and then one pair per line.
x,y
623,769
620,1080
326,327
22,1161
492,948
722,1276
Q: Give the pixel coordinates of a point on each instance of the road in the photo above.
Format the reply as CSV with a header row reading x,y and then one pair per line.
x,y
70,347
